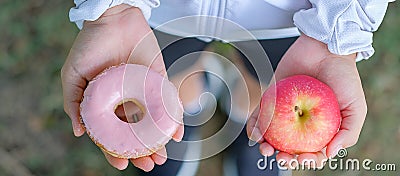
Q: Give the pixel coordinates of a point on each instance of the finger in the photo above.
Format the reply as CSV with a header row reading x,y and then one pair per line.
x,y
118,163
351,99
339,141
308,159
266,149
73,86
160,157
322,159
145,163
313,160
352,121
179,134
252,129
284,159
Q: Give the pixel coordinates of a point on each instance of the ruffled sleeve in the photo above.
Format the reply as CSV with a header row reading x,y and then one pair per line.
x,y
91,10
346,26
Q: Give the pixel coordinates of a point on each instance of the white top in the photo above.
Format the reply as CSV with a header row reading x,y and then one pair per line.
x,y
345,26
260,18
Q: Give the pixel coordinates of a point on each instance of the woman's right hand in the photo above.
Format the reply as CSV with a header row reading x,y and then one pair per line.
x,y
120,35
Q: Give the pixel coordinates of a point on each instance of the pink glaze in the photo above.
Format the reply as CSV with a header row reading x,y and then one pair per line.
x,y
163,112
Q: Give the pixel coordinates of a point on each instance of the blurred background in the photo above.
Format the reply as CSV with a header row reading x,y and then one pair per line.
x,y
36,136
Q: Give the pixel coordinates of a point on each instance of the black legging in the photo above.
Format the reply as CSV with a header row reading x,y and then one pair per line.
x,y
275,49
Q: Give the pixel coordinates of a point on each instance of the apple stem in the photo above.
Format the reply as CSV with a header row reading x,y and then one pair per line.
x,y
298,110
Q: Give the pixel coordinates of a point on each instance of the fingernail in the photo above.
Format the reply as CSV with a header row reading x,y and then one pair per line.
x,y
312,162
77,128
266,153
255,137
77,132
252,143
177,140
335,151
122,166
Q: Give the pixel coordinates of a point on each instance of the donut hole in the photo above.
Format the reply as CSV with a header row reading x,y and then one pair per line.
x,y
129,111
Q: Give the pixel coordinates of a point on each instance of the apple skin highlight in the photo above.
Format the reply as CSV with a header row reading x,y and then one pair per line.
x,y
156,98
305,115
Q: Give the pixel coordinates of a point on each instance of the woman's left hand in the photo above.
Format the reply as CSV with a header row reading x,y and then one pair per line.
x,y
308,56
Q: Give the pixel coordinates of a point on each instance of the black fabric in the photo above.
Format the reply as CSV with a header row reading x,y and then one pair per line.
x,y
274,48
247,157
180,48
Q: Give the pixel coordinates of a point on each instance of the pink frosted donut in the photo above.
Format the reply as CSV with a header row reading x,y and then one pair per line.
x,y
152,98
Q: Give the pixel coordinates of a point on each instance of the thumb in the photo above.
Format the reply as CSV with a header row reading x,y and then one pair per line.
x,y
73,85
179,133
264,112
352,121
252,128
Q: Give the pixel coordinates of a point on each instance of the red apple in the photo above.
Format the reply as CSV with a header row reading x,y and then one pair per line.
x,y
305,115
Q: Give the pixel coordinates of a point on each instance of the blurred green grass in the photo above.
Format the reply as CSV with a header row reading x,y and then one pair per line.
x,y
35,133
